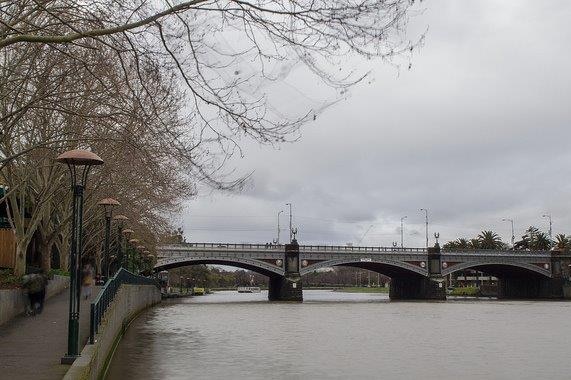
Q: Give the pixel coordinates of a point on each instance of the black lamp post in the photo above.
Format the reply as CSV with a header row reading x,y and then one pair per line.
x,y
132,252
140,249
108,204
120,221
78,162
127,232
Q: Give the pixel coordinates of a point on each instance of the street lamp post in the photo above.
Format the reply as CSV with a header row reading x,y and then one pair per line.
x,y
121,220
426,224
402,231
108,204
513,234
548,216
140,250
78,162
127,233
290,225
133,243
278,239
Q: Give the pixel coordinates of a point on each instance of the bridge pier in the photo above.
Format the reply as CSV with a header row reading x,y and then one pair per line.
x,y
432,287
556,287
289,287
525,287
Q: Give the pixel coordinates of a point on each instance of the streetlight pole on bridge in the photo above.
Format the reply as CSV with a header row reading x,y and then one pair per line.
x,y
278,239
402,231
290,225
513,234
548,216
426,224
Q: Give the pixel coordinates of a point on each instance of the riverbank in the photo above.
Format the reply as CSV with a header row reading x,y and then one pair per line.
x,y
346,336
358,289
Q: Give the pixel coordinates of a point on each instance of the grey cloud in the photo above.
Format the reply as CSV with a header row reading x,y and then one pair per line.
x,y
477,130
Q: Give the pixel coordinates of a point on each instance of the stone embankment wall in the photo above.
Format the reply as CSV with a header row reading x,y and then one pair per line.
x,y
14,301
129,301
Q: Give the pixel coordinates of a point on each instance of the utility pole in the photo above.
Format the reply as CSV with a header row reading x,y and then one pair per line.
x,y
290,225
548,216
426,223
513,234
402,231
278,239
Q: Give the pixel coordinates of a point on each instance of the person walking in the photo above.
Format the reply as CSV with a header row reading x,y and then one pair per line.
x,y
36,284
87,281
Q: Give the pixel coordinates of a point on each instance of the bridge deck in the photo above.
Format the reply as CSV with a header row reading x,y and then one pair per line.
x,y
268,257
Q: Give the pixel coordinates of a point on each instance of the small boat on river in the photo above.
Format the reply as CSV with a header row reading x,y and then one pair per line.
x,y
248,289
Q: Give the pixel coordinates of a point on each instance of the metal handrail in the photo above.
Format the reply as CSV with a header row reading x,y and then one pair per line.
x,y
344,248
107,295
280,247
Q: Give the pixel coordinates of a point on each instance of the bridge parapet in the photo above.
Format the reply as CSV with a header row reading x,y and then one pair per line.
x,y
418,272
233,247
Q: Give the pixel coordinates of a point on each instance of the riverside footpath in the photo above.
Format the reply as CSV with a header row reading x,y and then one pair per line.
x,y
31,347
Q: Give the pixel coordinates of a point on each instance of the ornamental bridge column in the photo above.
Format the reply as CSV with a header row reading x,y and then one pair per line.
x,y
434,286
289,287
417,287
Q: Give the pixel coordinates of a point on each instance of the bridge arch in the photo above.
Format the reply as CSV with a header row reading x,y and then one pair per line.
x,y
243,263
501,269
390,268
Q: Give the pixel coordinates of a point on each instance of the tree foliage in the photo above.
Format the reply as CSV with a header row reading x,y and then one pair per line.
x,y
485,240
164,93
534,239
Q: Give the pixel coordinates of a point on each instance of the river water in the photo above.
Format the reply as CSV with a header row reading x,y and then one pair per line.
x,y
331,335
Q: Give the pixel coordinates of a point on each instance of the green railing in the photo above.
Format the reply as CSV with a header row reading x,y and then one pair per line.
x,y
107,295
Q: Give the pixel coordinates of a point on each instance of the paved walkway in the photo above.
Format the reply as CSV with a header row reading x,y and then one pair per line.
x,y
31,347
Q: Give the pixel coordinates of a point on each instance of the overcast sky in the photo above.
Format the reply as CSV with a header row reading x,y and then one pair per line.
x,y
477,130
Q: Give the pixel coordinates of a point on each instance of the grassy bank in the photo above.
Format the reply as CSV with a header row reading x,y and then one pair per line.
x,y
362,290
469,291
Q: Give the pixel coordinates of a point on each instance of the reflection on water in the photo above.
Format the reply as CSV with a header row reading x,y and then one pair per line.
x,y
344,336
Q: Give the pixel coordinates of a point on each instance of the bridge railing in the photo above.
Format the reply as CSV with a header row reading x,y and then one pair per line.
x,y
358,249
477,251
305,248
347,249
107,294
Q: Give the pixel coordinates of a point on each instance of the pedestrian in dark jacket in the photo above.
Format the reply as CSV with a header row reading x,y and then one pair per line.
x,y
36,284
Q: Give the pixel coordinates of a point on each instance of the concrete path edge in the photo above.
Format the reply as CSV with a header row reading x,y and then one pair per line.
x,y
129,302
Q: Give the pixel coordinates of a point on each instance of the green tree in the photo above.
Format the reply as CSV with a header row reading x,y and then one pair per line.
x,y
533,239
489,240
460,243
562,242
542,242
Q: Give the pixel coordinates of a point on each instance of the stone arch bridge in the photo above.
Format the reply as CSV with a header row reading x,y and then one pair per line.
x,y
416,273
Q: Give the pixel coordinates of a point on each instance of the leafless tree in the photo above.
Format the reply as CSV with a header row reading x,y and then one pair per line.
x,y
221,50
163,92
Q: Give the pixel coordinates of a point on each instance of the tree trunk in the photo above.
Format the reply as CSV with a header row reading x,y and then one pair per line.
x,y
20,265
46,255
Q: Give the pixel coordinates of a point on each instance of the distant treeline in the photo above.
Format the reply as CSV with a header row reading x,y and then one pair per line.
x,y
216,277
532,239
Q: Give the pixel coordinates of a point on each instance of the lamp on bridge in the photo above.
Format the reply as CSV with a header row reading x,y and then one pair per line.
x,y
108,204
513,233
79,162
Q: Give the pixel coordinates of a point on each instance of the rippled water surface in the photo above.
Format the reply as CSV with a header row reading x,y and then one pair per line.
x,y
332,335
